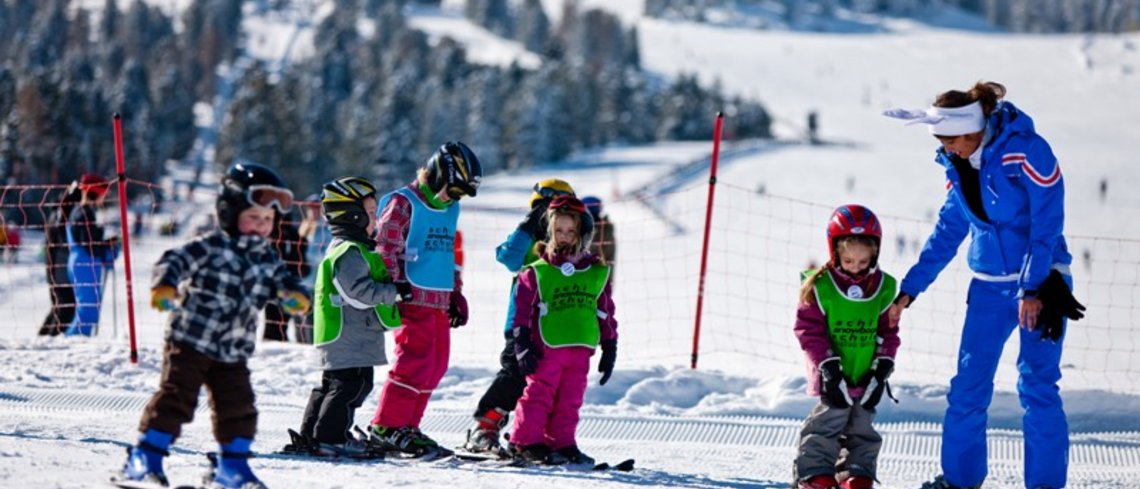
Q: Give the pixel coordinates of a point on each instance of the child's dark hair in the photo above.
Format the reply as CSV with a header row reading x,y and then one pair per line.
x,y
807,290
988,93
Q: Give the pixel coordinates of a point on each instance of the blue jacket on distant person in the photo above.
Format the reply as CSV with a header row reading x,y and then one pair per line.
x,y
513,253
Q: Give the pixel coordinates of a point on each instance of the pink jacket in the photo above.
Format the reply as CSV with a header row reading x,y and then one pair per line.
x,y
811,330
526,299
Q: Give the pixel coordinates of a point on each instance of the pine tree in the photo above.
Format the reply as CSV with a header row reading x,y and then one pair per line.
x,y
533,26
484,119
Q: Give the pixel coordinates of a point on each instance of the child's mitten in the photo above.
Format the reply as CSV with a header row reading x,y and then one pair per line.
x,y
294,303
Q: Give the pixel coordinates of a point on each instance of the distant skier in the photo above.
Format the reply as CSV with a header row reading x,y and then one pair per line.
x,y
417,244
503,394
90,254
354,304
563,312
843,328
1005,189
604,245
56,254
216,286
293,248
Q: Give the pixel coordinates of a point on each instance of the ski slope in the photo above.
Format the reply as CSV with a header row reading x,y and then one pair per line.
x,y
68,407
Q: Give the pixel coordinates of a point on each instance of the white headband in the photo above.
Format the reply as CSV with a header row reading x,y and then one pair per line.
x,y
944,121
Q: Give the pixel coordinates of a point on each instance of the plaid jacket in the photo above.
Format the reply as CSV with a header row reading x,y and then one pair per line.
x,y
224,283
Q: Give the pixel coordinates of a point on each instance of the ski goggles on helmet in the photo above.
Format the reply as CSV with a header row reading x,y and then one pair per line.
x,y
269,196
549,192
456,193
459,186
567,203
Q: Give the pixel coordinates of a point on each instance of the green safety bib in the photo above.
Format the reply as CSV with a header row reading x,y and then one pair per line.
x,y
568,303
853,322
327,320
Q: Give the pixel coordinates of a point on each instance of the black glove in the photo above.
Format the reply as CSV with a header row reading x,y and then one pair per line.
x,y
405,291
525,352
606,364
457,310
833,387
534,224
1057,303
881,369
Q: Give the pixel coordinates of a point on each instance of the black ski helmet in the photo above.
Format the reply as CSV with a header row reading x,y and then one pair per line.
x,y
248,184
456,167
342,201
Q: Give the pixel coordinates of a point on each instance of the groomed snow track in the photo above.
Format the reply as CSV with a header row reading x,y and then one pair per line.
x,y
910,450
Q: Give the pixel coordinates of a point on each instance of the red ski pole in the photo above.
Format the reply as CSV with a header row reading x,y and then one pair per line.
x,y
705,247
120,167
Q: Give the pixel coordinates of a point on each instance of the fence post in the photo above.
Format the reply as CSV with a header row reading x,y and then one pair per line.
x,y
120,167
705,247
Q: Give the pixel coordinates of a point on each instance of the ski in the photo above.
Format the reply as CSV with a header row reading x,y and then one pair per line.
x,y
623,466
301,446
320,457
464,454
432,454
626,465
129,484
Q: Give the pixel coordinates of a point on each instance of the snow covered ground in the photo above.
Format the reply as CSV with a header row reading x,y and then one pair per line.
x,y
68,407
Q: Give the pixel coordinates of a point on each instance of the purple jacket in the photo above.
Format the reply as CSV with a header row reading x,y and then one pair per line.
x,y
811,330
526,299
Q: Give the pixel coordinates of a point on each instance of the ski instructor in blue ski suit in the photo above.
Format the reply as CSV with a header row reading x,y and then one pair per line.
x,y
1005,190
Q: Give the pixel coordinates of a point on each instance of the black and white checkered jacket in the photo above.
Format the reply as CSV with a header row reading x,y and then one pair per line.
x,y
223,283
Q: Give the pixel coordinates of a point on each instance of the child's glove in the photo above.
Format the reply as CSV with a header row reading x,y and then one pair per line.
x,y
457,310
164,298
1057,303
533,223
404,290
294,303
881,369
525,352
832,384
606,364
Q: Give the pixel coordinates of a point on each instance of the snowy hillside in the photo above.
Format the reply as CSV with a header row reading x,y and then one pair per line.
x,y
68,407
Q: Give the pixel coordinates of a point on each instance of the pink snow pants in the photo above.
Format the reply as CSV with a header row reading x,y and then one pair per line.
x,y
548,410
423,347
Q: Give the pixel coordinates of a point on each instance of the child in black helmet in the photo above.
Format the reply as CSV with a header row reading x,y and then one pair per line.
x,y
354,303
215,287
417,243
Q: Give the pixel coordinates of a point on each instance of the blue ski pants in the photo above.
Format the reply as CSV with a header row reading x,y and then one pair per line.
x,y
991,317
86,275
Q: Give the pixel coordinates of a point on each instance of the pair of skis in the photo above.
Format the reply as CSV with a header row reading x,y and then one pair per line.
x,y
504,459
125,484
300,445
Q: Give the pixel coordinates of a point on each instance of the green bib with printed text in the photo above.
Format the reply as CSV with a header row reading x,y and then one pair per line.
x,y
327,317
568,303
853,322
